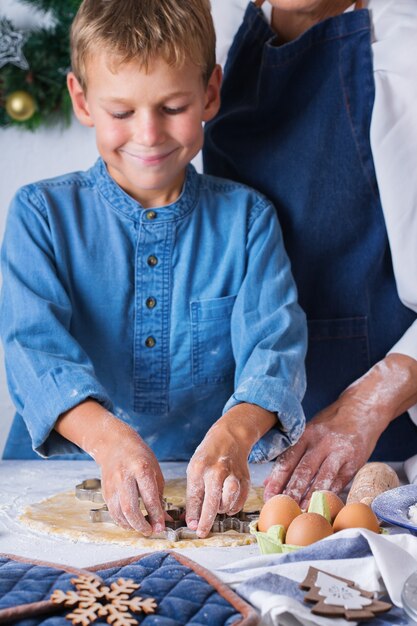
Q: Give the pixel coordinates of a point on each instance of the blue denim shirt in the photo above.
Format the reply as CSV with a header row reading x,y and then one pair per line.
x,y
168,317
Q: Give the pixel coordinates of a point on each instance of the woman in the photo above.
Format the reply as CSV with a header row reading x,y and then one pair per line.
x,y
317,113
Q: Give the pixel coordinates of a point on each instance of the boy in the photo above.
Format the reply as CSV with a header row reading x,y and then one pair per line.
x,y
134,293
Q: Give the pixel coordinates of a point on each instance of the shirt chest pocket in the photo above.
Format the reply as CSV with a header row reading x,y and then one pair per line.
x,y
212,355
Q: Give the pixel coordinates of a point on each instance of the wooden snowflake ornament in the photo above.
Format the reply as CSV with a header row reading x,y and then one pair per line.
x,y
338,597
92,600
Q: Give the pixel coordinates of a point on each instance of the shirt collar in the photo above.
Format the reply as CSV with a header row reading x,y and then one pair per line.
x,y
124,203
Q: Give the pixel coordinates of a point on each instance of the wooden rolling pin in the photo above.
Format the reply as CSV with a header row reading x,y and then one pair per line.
x,y
371,480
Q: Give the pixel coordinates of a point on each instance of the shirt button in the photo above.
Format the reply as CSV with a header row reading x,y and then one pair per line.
x,y
150,215
150,342
151,303
152,260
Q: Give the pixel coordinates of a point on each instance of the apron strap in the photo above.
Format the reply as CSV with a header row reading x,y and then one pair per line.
x,y
258,3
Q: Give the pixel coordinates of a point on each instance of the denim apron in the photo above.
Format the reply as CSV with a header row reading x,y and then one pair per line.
x,y
294,124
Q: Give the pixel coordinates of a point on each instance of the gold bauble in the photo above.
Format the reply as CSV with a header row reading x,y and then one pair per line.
x,y
20,106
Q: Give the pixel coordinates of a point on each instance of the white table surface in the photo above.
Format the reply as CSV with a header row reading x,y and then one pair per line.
x,y
26,482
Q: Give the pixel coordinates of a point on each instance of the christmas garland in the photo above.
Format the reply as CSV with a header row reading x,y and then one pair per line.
x,y
33,68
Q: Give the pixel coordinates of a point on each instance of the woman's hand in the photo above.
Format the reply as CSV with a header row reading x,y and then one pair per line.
x,y
341,438
218,473
129,469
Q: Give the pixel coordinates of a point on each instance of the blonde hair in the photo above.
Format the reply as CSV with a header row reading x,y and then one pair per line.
x,y
142,30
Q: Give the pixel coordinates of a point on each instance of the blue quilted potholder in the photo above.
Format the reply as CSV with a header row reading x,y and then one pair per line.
x,y
186,593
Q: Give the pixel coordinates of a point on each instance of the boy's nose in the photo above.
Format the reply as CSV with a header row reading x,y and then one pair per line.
x,y
149,130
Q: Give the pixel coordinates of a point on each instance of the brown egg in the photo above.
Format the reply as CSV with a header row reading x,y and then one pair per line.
x,y
334,502
280,509
308,528
356,515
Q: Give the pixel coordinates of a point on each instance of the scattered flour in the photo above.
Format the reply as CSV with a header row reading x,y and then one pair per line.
x,y
412,513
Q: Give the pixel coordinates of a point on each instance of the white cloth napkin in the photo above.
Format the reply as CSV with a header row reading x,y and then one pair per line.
x,y
410,468
379,563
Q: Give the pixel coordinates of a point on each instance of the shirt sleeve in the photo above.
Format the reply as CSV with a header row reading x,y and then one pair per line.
x,y
269,336
394,141
48,371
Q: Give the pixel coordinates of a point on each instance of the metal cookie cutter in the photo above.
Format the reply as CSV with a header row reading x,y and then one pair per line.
x,y
175,529
89,489
239,522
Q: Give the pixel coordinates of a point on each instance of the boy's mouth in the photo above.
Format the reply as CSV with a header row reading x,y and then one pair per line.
x,y
149,159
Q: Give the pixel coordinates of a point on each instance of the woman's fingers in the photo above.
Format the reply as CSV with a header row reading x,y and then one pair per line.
x,y
283,469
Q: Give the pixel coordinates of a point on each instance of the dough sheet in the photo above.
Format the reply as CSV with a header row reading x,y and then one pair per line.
x,y
64,515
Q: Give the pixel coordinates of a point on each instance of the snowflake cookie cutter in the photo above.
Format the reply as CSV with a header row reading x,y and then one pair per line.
x,y
175,530
92,600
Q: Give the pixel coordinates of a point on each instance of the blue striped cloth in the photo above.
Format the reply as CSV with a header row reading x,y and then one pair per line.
x,y
379,563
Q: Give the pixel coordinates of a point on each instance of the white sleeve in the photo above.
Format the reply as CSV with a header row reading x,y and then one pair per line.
x,y
394,145
227,17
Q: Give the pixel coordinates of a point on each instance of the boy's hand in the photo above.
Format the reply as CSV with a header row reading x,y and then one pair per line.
x,y
218,473
129,471
129,468
217,480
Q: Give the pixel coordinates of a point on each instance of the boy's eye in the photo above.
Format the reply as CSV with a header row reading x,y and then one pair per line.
x,y
122,115
174,110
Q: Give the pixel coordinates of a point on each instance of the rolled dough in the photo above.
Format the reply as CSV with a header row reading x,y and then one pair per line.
x,y
63,515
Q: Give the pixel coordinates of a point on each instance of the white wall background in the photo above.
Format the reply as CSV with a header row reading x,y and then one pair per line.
x,y
26,157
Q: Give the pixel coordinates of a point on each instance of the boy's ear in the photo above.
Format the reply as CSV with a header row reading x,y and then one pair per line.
x,y
212,105
79,103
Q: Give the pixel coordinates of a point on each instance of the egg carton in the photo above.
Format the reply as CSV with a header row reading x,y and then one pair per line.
x,y
175,529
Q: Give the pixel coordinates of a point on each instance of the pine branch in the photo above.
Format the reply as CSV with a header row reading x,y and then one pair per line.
x,y
59,8
47,52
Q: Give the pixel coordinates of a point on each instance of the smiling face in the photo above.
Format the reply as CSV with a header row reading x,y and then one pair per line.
x,y
148,122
